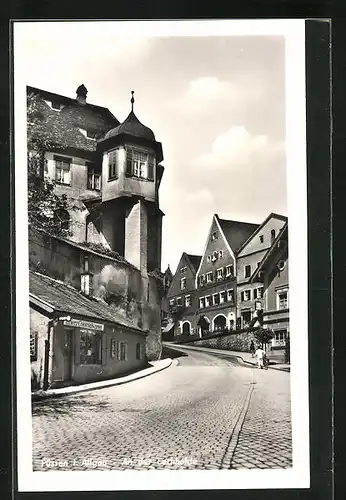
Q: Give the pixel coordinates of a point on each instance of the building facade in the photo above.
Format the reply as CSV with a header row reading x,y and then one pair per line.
x,y
273,274
228,292
182,298
109,173
249,257
77,339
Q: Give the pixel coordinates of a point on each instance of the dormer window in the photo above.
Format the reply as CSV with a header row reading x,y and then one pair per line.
x,y
90,134
139,164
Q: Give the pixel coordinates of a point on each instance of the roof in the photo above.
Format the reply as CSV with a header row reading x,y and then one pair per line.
x,y
133,127
268,255
63,127
195,260
61,297
260,226
236,233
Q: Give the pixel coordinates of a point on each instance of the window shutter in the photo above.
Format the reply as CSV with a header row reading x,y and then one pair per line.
x,y
129,158
150,167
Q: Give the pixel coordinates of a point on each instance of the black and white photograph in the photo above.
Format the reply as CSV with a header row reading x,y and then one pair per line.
x,y
161,235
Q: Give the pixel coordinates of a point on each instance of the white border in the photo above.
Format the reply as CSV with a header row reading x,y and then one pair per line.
x,y
299,475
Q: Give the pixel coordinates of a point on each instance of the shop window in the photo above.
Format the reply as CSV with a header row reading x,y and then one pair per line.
x,y
247,271
122,351
140,164
90,347
33,346
113,348
63,170
62,218
94,178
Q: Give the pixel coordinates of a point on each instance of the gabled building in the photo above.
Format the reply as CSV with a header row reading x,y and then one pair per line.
x,y
216,279
273,275
249,257
182,297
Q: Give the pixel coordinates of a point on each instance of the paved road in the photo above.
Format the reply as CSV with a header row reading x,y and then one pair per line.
x,y
203,412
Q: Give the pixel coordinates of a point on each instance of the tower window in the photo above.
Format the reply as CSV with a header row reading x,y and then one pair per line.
x,y
113,164
139,164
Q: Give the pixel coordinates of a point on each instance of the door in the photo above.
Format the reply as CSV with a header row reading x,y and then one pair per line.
x,y
68,355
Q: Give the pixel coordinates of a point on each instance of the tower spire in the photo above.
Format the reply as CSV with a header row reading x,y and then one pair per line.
x,y
132,99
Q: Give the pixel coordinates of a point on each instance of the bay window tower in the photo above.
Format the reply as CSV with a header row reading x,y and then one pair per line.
x,y
131,177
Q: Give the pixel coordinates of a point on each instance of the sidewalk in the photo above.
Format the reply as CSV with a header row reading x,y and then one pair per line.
x,y
156,367
245,357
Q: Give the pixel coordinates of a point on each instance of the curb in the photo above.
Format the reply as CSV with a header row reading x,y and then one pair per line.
x,y
66,391
207,349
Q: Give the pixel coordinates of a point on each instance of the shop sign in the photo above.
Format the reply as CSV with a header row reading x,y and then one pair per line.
x,y
78,323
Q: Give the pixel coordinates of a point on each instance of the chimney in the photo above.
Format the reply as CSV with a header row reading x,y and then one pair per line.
x,y
81,94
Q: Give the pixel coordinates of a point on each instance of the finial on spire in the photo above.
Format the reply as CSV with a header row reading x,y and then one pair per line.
x,y
132,99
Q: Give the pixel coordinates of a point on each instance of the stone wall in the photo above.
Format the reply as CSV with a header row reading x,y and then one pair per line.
x,y
135,295
231,342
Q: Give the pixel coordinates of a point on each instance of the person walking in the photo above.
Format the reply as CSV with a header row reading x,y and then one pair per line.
x,y
260,356
252,348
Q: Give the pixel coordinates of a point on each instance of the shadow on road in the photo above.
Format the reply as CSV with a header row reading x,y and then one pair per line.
x,y
67,404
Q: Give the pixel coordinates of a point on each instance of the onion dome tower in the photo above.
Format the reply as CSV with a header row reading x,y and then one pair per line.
x,y
131,177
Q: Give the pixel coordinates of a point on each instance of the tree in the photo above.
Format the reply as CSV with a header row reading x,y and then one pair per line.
x,y
263,335
43,203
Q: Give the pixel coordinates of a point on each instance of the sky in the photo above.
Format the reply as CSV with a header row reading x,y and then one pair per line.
x,y
217,104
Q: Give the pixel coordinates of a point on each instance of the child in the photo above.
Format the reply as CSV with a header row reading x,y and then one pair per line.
x,y
260,354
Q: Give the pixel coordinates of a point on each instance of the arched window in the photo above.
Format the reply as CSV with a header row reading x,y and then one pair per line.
x,y
62,218
219,323
186,328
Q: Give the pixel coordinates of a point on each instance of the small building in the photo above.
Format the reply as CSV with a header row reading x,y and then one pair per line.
x,y
182,298
75,339
272,273
249,257
216,279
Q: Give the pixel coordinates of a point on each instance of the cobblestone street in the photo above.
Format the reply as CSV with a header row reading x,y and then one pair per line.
x,y
201,413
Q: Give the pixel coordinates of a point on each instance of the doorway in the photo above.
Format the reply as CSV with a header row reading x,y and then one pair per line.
x,y
68,354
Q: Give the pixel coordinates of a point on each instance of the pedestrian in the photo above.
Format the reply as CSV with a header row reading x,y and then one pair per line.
x,y
260,356
252,348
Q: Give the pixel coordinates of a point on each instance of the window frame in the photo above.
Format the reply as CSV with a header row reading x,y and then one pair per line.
x,y
140,168
63,160
113,164
207,299
97,358
247,267
218,275
114,349
209,275
93,173
278,292
34,337
122,343
201,302
188,299
183,283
